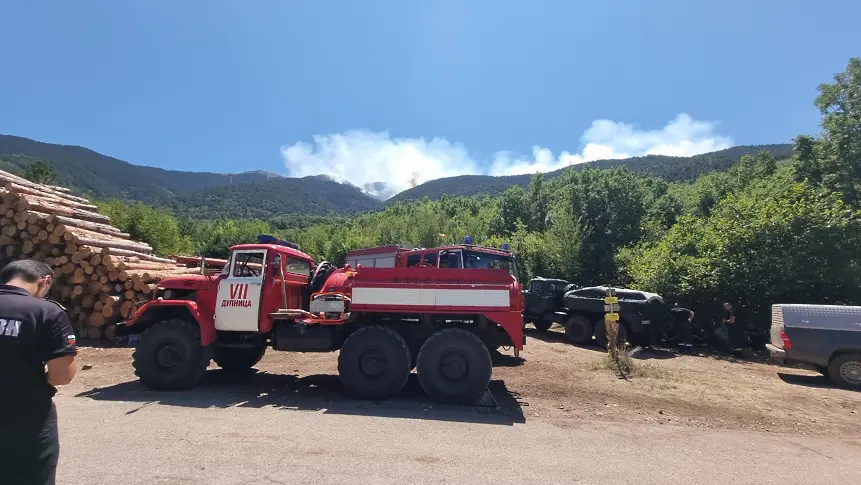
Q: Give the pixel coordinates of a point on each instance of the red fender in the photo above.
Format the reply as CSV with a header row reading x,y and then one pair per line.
x,y
207,332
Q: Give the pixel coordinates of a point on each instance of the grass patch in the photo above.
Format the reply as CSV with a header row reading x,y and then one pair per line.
x,y
617,358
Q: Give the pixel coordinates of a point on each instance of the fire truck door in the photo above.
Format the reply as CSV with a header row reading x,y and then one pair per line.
x,y
237,307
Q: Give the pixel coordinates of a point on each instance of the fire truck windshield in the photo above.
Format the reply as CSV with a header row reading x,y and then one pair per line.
x,y
479,260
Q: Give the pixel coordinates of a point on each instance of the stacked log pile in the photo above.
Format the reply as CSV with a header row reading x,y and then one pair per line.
x,y
100,274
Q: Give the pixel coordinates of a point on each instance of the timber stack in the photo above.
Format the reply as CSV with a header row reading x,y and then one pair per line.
x,y
100,273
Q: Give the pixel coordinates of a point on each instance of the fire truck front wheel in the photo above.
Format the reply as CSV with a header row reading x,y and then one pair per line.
x,y
374,363
169,356
454,366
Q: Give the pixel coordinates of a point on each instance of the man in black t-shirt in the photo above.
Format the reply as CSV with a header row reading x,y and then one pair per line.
x,y
737,337
37,352
682,323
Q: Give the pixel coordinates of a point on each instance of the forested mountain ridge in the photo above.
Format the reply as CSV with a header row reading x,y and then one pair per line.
x,y
672,169
197,194
102,176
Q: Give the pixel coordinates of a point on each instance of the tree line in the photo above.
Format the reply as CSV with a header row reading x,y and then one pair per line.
x,y
765,231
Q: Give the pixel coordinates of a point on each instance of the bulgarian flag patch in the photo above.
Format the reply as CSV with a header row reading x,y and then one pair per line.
x,y
71,340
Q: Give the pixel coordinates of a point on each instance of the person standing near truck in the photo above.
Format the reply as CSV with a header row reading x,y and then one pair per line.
x,y
683,325
736,335
37,353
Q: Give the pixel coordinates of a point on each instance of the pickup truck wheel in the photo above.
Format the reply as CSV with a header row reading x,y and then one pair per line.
x,y
454,366
845,370
578,329
601,333
542,325
374,363
233,359
169,356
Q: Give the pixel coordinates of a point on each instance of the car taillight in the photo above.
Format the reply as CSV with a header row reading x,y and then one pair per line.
x,y
787,344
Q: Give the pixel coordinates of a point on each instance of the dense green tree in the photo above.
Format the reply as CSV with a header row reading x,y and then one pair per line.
x,y
40,173
834,158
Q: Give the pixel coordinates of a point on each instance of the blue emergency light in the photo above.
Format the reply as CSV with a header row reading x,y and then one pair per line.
x,y
506,246
268,239
467,240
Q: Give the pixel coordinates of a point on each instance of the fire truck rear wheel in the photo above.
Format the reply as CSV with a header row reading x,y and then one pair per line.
x,y
238,359
169,356
454,366
374,363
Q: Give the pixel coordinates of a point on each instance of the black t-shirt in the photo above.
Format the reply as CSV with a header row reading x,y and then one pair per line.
x,y
32,332
681,315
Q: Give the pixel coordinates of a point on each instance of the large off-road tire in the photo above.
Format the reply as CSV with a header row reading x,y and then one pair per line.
x,y
454,366
845,370
578,329
542,325
169,356
601,333
237,359
374,363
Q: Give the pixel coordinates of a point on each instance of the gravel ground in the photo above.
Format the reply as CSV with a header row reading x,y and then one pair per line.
x,y
561,417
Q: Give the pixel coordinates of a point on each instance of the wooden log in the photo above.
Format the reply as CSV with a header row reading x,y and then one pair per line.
x,y
105,229
96,319
126,308
94,333
108,311
8,177
130,294
78,278
42,192
40,204
110,332
74,233
94,287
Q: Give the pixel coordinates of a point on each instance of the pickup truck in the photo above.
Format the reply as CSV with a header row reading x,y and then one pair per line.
x,y
827,337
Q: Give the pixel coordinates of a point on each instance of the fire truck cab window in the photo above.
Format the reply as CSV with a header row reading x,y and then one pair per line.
x,y
413,260
297,266
247,265
450,259
479,260
430,259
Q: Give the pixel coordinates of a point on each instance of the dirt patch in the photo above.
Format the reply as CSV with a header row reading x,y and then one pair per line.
x,y
568,385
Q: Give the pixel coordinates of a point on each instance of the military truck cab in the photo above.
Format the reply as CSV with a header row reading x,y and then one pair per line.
x,y
543,302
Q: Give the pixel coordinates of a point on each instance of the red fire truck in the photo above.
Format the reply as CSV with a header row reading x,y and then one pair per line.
x,y
438,311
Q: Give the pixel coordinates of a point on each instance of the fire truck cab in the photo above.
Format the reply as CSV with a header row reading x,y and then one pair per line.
x,y
439,311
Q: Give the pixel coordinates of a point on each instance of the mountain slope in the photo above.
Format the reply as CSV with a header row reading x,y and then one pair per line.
x,y
666,167
197,194
308,195
107,177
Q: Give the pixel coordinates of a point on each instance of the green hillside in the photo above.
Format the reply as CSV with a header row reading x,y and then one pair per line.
x,y
668,168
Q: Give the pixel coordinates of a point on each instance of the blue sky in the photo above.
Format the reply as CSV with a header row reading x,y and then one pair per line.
x,y
407,91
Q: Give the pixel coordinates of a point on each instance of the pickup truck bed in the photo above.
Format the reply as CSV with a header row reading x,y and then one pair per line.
x,y
827,337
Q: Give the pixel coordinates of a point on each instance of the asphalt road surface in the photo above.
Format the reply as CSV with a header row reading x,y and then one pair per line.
x,y
136,437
